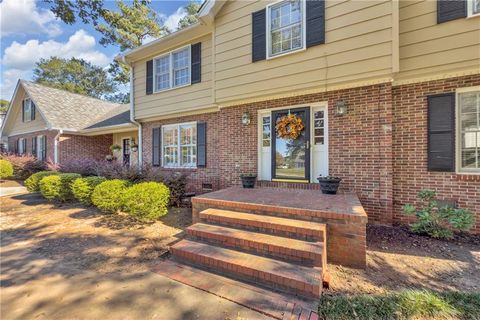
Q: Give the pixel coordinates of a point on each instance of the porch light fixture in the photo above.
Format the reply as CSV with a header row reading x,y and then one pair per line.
x,y
246,119
340,108
134,146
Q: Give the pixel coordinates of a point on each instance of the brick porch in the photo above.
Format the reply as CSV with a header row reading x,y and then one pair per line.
x,y
278,237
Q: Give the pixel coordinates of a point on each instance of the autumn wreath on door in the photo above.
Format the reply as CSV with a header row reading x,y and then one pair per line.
x,y
289,126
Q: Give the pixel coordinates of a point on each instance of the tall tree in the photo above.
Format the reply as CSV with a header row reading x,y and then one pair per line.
x,y
75,75
191,10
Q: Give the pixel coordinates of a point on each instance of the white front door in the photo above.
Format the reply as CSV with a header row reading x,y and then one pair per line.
x,y
318,141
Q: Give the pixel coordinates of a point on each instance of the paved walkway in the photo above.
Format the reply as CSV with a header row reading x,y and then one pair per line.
x,y
70,262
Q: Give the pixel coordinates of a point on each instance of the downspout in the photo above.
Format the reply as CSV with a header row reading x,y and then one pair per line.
x,y
132,116
55,146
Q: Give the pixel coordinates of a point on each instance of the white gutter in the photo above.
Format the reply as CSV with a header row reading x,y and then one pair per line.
x,y
55,146
132,116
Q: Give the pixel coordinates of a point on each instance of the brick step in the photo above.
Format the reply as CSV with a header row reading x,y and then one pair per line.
x,y
293,278
298,229
292,250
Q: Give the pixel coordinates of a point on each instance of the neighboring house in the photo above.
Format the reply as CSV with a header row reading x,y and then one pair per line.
x,y
389,92
57,126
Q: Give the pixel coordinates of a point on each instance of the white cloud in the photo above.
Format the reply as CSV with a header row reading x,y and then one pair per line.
x,y
19,58
171,22
23,17
79,45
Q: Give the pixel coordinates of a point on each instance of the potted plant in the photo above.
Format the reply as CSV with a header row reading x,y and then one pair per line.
x,y
248,180
329,184
115,148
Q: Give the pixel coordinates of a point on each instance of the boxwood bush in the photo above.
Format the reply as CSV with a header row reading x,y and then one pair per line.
x,y
82,188
147,200
6,169
58,187
108,195
33,182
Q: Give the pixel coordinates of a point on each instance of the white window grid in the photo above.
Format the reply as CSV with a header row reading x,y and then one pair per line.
x,y
473,7
319,127
469,146
27,110
285,27
266,131
181,152
172,70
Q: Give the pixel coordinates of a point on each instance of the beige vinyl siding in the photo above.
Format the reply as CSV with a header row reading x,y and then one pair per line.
x,y
192,97
358,47
428,49
15,124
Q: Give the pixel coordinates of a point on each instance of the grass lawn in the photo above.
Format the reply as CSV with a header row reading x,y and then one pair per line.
x,y
407,277
407,304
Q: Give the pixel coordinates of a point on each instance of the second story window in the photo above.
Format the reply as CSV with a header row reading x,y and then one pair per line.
x,y
172,69
27,110
285,27
473,7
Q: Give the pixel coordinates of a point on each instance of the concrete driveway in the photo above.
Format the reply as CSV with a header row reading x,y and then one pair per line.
x,y
71,262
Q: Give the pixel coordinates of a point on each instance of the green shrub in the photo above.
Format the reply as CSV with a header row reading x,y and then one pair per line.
x,y
438,221
147,200
33,182
82,188
108,195
58,187
6,169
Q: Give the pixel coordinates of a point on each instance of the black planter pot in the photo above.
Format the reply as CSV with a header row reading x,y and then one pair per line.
x,y
248,182
329,186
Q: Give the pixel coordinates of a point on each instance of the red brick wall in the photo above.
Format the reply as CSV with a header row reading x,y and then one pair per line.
x,y
378,148
410,150
359,150
84,147
50,134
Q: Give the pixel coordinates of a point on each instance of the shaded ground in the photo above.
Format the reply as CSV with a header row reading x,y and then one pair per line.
x,y
71,262
398,260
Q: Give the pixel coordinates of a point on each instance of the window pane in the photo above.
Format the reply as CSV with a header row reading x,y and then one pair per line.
x,y
286,27
162,73
188,134
476,6
181,67
470,129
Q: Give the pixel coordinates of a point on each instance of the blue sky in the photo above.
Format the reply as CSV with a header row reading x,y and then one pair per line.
x,y
29,31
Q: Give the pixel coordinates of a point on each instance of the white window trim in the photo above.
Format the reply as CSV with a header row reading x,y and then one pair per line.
x,y
176,125
458,142
470,13
25,119
171,79
269,34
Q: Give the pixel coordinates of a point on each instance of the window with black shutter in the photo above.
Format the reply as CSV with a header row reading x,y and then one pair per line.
x,y
196,61
149,79
441,132
259,35
448,10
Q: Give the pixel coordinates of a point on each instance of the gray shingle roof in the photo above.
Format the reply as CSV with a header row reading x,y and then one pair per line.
x,y
71,111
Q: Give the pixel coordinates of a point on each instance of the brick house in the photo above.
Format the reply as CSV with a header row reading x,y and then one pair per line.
x,y
57,126
389,93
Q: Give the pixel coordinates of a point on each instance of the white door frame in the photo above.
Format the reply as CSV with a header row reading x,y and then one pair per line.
x,y
313,107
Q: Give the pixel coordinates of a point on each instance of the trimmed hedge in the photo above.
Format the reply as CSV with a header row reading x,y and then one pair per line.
x,y
58,187
147,200
6,169
108,195
33,182
82,188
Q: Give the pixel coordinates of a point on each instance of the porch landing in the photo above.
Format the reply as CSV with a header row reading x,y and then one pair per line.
x,y
342,214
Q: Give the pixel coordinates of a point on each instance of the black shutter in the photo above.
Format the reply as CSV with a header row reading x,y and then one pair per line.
x,y
44,150
24,142
156,147
259,35
34,146
315,22
448,10
32,113
17,146
196,62
149,77
201,144
23,110
441,132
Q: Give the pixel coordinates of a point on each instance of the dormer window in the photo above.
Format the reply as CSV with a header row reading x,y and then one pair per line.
x,y
27,110
285,27
172,70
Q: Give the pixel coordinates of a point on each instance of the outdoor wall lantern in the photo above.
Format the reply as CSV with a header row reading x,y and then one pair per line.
x,y
341,108
134,146
246,119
